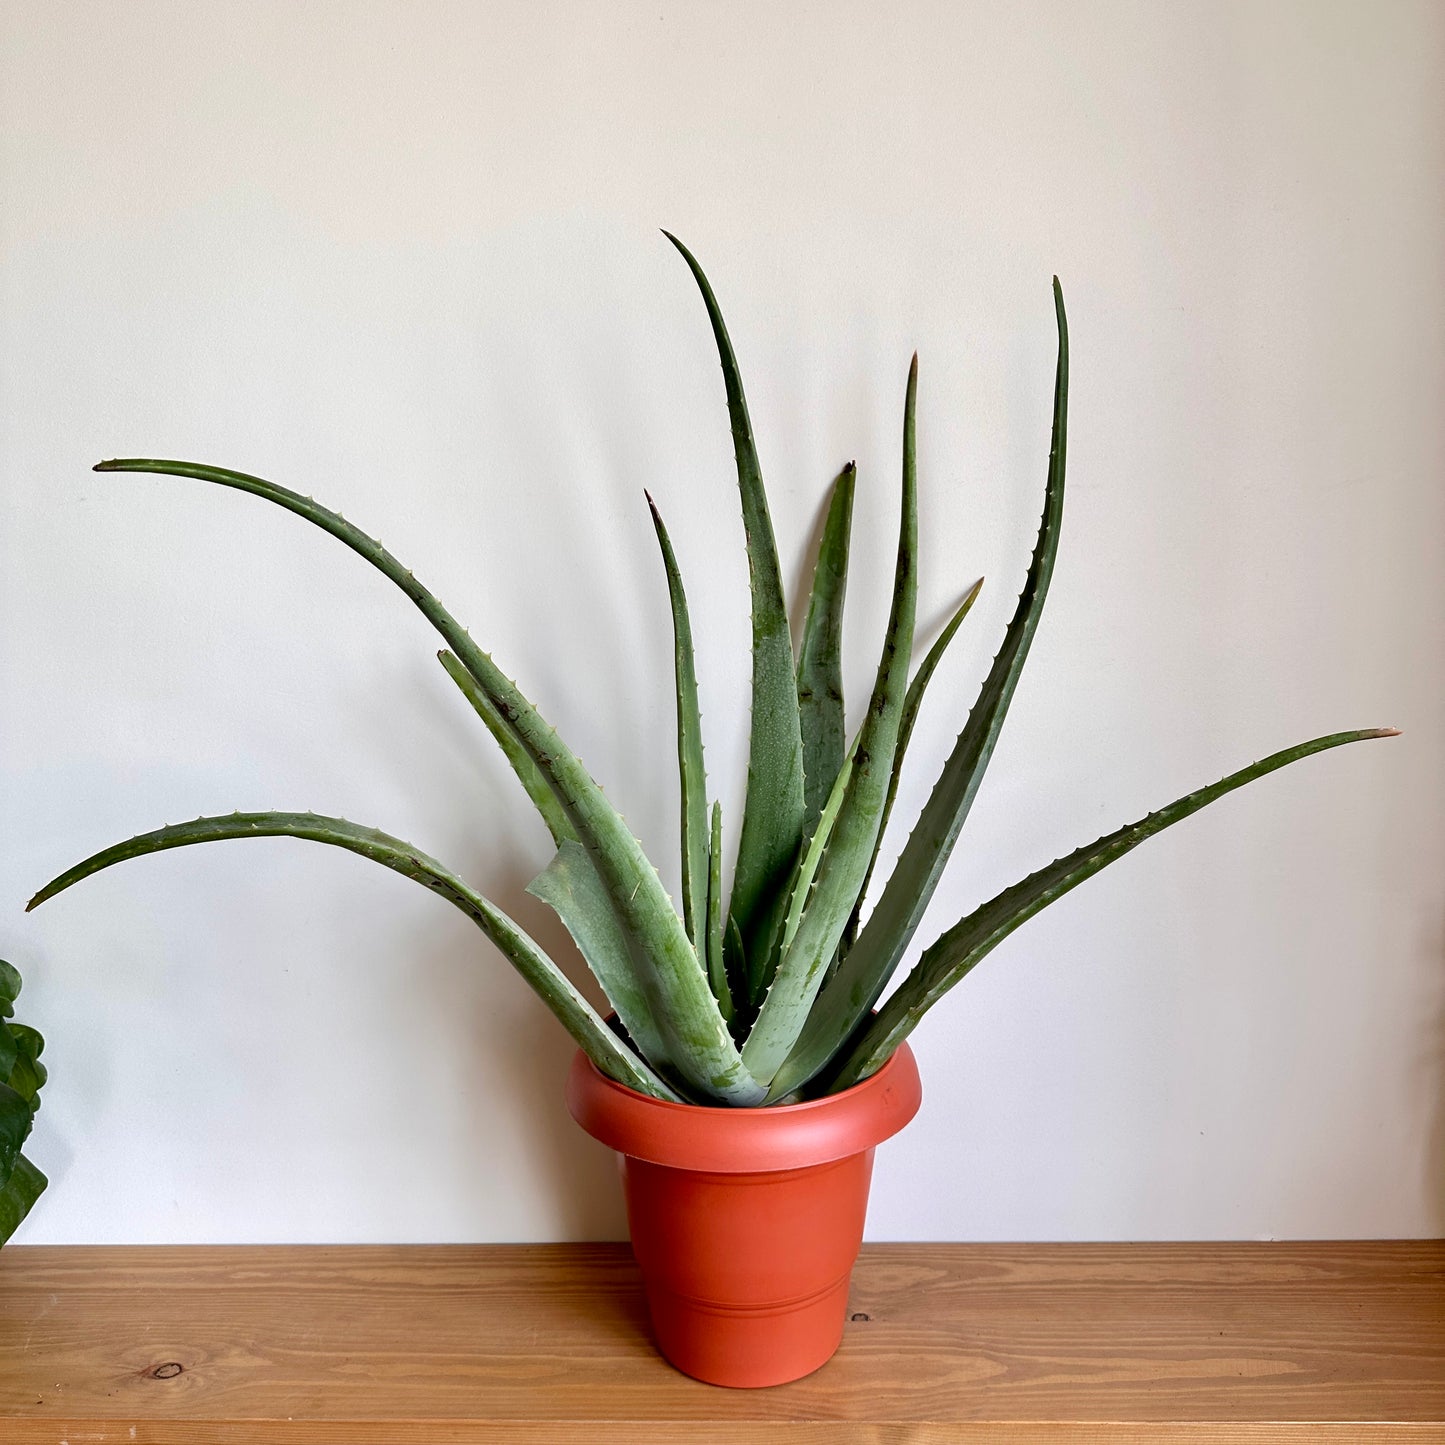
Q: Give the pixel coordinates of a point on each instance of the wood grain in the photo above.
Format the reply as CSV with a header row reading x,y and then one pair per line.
x,y
1015,1344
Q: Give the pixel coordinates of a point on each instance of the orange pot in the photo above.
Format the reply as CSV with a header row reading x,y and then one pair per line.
x,y
746,1222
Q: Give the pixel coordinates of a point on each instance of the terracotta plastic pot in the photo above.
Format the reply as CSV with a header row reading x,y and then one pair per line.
x,y
746,1222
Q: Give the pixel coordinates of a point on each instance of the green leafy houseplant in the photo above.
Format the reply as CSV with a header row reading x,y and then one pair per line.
x,y
21,1075
766,992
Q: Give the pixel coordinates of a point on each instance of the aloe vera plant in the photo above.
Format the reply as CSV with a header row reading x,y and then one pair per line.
x,y
21,1075
765,992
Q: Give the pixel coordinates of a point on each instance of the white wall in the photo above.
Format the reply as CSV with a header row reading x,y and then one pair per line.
x,y
405,256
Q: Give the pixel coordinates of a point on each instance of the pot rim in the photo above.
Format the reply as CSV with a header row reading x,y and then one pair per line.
x,y
717,1139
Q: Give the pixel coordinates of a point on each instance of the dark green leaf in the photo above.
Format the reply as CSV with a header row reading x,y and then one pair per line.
x,y
26,1073
716,959
773,809
21,1190
911,704
946,961
16,1117
9,988
691,775
863,973
850,843
820,659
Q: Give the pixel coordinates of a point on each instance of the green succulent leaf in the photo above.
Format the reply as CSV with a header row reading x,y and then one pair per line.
x,y
673,977
600,1044
24,1186
693,777
735,962
850,843
946,961
716,957
820,659
697,1034
911,704
863,973
773,807
569,885
814,853
535,784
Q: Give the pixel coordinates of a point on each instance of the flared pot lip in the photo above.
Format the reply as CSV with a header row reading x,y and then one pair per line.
x,y
746,1141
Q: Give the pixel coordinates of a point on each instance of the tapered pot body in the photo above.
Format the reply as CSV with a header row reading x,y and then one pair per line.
x,y
746,1222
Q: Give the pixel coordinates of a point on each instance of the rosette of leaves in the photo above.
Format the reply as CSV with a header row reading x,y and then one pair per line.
x,y
21,1183
766,990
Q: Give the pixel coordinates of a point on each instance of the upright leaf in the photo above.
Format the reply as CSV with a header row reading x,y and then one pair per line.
x,y
813,855
954,954
599,1043
850,845
820,659
862,975
716,959
693,779
773,808
911,704
683,1004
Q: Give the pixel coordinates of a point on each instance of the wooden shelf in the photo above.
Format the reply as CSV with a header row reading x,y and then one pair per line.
x,y
1006,1344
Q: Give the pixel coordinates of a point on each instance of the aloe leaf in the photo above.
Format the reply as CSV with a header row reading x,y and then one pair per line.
x,y
699,1043
773,808
911,704
689,750
599,1043
24,1186
699,1039
716,959
850,844
735,963
820,658
538,789
955,952
861,976
814,853
569,885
